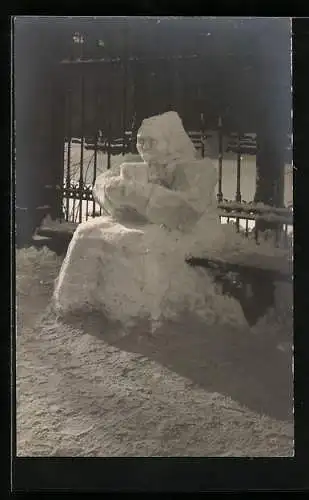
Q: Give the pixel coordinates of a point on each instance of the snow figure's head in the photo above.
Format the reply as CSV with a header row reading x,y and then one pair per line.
x,y
162,139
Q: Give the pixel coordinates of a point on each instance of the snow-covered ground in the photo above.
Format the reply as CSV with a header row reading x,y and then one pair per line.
x,y
85,390
247,182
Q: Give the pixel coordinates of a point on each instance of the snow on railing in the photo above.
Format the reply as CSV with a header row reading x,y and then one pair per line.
x,y
257,207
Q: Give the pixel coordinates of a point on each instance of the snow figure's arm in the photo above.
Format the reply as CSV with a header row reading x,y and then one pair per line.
x,y
123,189
155,203
98,191
197,181
170,208
191,196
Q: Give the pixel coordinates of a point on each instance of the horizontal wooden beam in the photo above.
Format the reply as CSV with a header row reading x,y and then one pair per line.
x,y
282,272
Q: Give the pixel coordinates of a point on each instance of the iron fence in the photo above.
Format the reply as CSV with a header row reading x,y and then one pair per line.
x,y
79,205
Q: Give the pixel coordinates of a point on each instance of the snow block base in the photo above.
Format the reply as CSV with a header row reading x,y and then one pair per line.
x,y
130,273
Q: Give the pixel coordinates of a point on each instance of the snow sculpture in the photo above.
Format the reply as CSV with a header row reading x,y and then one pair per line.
x,y
130,263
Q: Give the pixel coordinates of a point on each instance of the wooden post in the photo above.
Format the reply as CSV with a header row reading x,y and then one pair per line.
x,y
269,169
35,145
269,172
55,142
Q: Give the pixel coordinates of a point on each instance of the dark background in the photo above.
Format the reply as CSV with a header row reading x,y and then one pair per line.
x,y
204,68
243,66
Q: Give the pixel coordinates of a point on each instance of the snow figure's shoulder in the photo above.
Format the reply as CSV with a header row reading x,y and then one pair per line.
x,y
188,174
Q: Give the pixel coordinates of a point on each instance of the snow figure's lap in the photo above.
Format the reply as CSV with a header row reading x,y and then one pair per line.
x,y
131,272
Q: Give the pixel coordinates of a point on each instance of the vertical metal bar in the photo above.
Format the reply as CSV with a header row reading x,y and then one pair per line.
x,y
131,106
133,133
109,143
203,134
238,173
285,235
247,228
87,201
95,159
73,207
68,166
77,215
220,160
134,69
177,86
169,69
151,90
238,193
109,109
174,84
125,85
184,77
81,162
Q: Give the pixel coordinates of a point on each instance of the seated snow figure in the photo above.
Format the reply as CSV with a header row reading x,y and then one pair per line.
x,y
130,262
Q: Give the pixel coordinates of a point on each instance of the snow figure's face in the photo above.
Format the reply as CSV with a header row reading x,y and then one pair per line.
x,y
153,149
163,140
